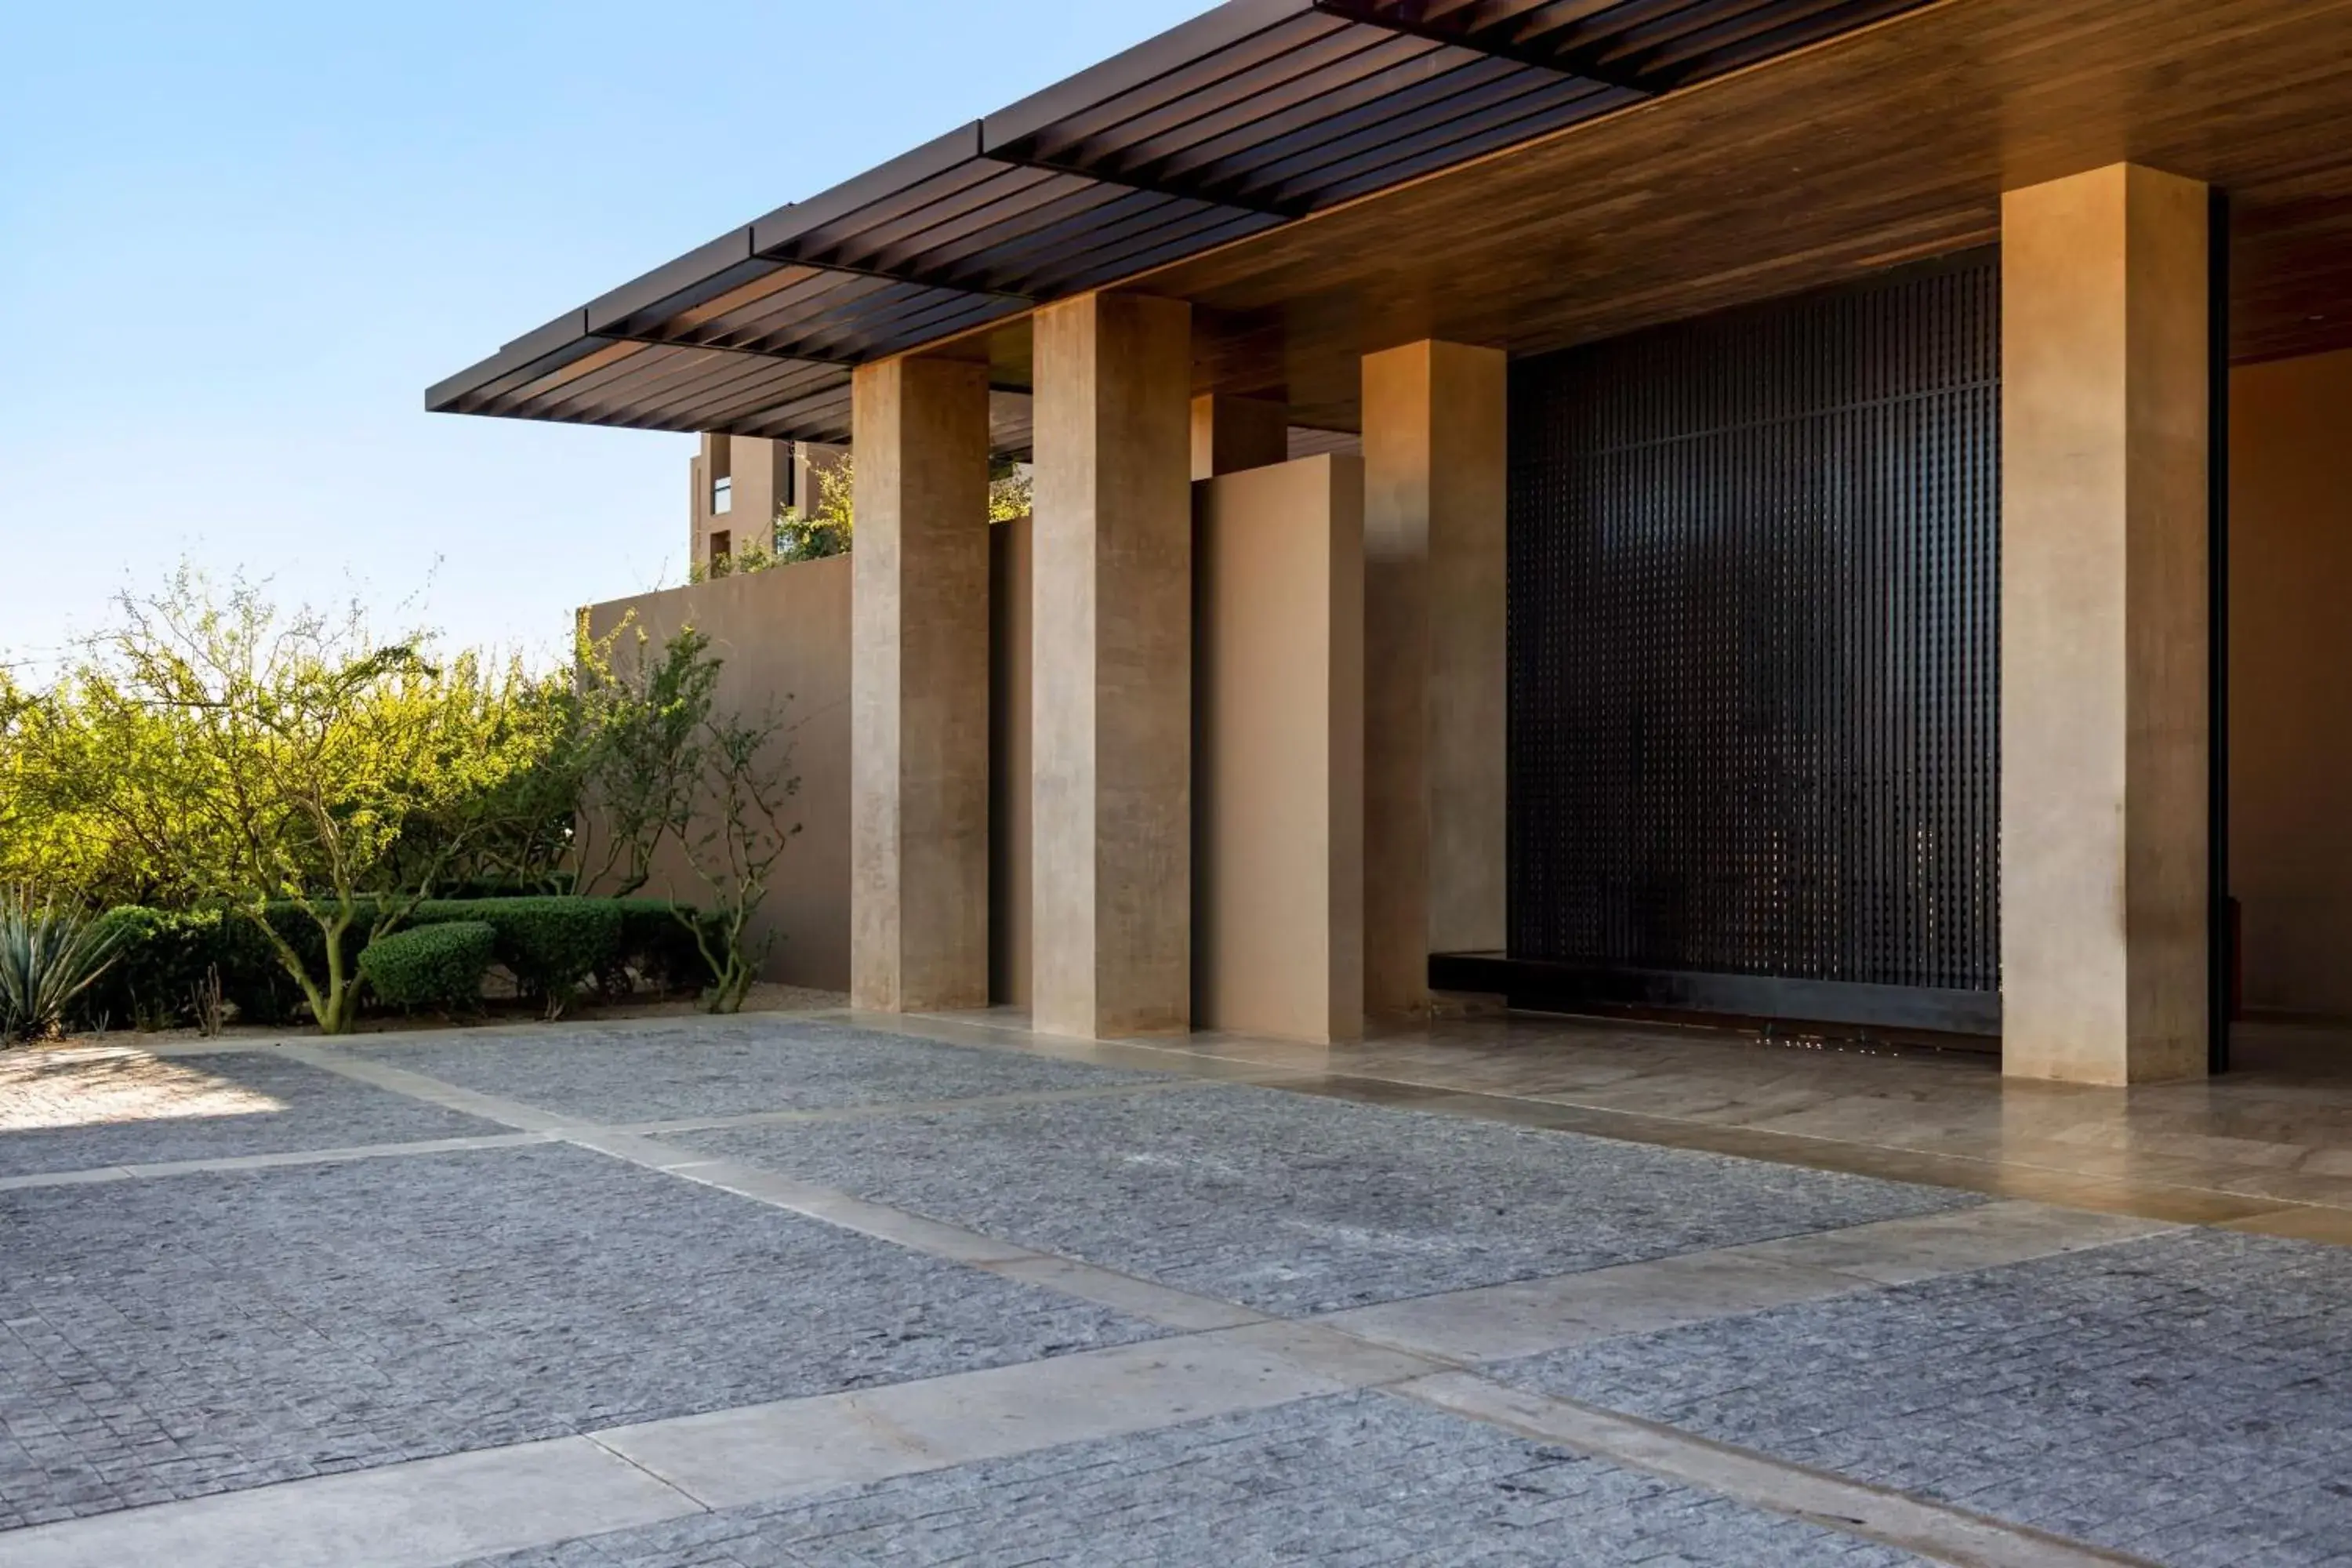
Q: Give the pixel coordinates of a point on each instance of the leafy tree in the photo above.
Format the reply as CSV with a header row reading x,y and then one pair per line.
x,y
250,757
734,835
825,529
644,714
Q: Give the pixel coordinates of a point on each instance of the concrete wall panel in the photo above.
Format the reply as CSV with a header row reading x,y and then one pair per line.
x,y
2291,681
784,636
1278,677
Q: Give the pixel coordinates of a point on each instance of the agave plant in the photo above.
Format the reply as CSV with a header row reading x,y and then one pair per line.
x,y
48,956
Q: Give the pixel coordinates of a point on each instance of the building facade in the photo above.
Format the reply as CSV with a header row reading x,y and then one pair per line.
x,y
737,485
1758,508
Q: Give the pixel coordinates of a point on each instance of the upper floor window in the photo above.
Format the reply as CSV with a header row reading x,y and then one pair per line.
x,y
722,496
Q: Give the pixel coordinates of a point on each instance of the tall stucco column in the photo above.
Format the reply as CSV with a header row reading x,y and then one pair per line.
x,y
2106,618
1112,764
1435,674
919,651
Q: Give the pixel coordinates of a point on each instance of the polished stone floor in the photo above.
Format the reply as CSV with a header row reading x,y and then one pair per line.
x,y
2267,1148
844,1291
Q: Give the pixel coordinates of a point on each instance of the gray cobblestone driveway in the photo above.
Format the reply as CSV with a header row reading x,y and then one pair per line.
x,y
86,1110
733,1068
209,1333
1293,1205
990,1309
2188,1398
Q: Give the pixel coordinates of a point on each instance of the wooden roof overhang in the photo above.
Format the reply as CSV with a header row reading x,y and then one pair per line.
x,y
1323,178
1249,119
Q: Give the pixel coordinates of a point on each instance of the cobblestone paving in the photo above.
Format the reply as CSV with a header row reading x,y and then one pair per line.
x,y
1345,1483
1296,1205
210,1332
730,1069
79,1110
2187,1399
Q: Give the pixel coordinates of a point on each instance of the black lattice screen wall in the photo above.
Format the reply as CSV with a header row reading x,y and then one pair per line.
x,y
1754,641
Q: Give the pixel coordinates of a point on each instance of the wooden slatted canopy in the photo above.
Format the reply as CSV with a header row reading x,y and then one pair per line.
x,y
1255,116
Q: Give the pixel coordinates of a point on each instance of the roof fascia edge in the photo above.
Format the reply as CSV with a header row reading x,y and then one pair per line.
x,y
564,334
1574,65
1148,61
700,275
786,224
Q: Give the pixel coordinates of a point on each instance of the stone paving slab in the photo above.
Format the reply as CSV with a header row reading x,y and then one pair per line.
x,y
82,1109
220,1331
2185,1399
709,1070
1349,1481
1295,1206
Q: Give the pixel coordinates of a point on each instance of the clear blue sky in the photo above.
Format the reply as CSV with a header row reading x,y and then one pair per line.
x,y
238,240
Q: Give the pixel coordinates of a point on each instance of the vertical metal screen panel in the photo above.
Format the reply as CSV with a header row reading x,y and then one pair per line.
x,y
1754,642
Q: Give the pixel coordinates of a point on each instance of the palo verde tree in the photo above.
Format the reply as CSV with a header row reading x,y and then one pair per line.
x,y
293,760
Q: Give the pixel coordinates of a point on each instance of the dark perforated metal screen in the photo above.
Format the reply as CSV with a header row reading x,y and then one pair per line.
x,y
1754,650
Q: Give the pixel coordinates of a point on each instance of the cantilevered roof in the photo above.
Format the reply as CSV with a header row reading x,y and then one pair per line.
x,y
1254,115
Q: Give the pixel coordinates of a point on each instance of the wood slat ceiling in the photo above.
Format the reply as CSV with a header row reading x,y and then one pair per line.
x,y
1885,146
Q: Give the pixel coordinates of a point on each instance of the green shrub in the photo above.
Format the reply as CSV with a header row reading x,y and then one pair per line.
x,y
432,966
552,944
161,957
49,957
659,946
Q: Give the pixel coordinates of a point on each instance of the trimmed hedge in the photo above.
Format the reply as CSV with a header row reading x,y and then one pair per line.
x,y
660,946
161,957
552,944
433,965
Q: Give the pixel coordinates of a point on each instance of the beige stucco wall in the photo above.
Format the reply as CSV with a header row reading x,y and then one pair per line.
x,y
784,636
2290,680
1278,751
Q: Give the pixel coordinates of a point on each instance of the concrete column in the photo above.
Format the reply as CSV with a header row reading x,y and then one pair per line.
x,y
1278,853
1234,433
2104,626
1435,679
1113,656
919,642
1012,726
